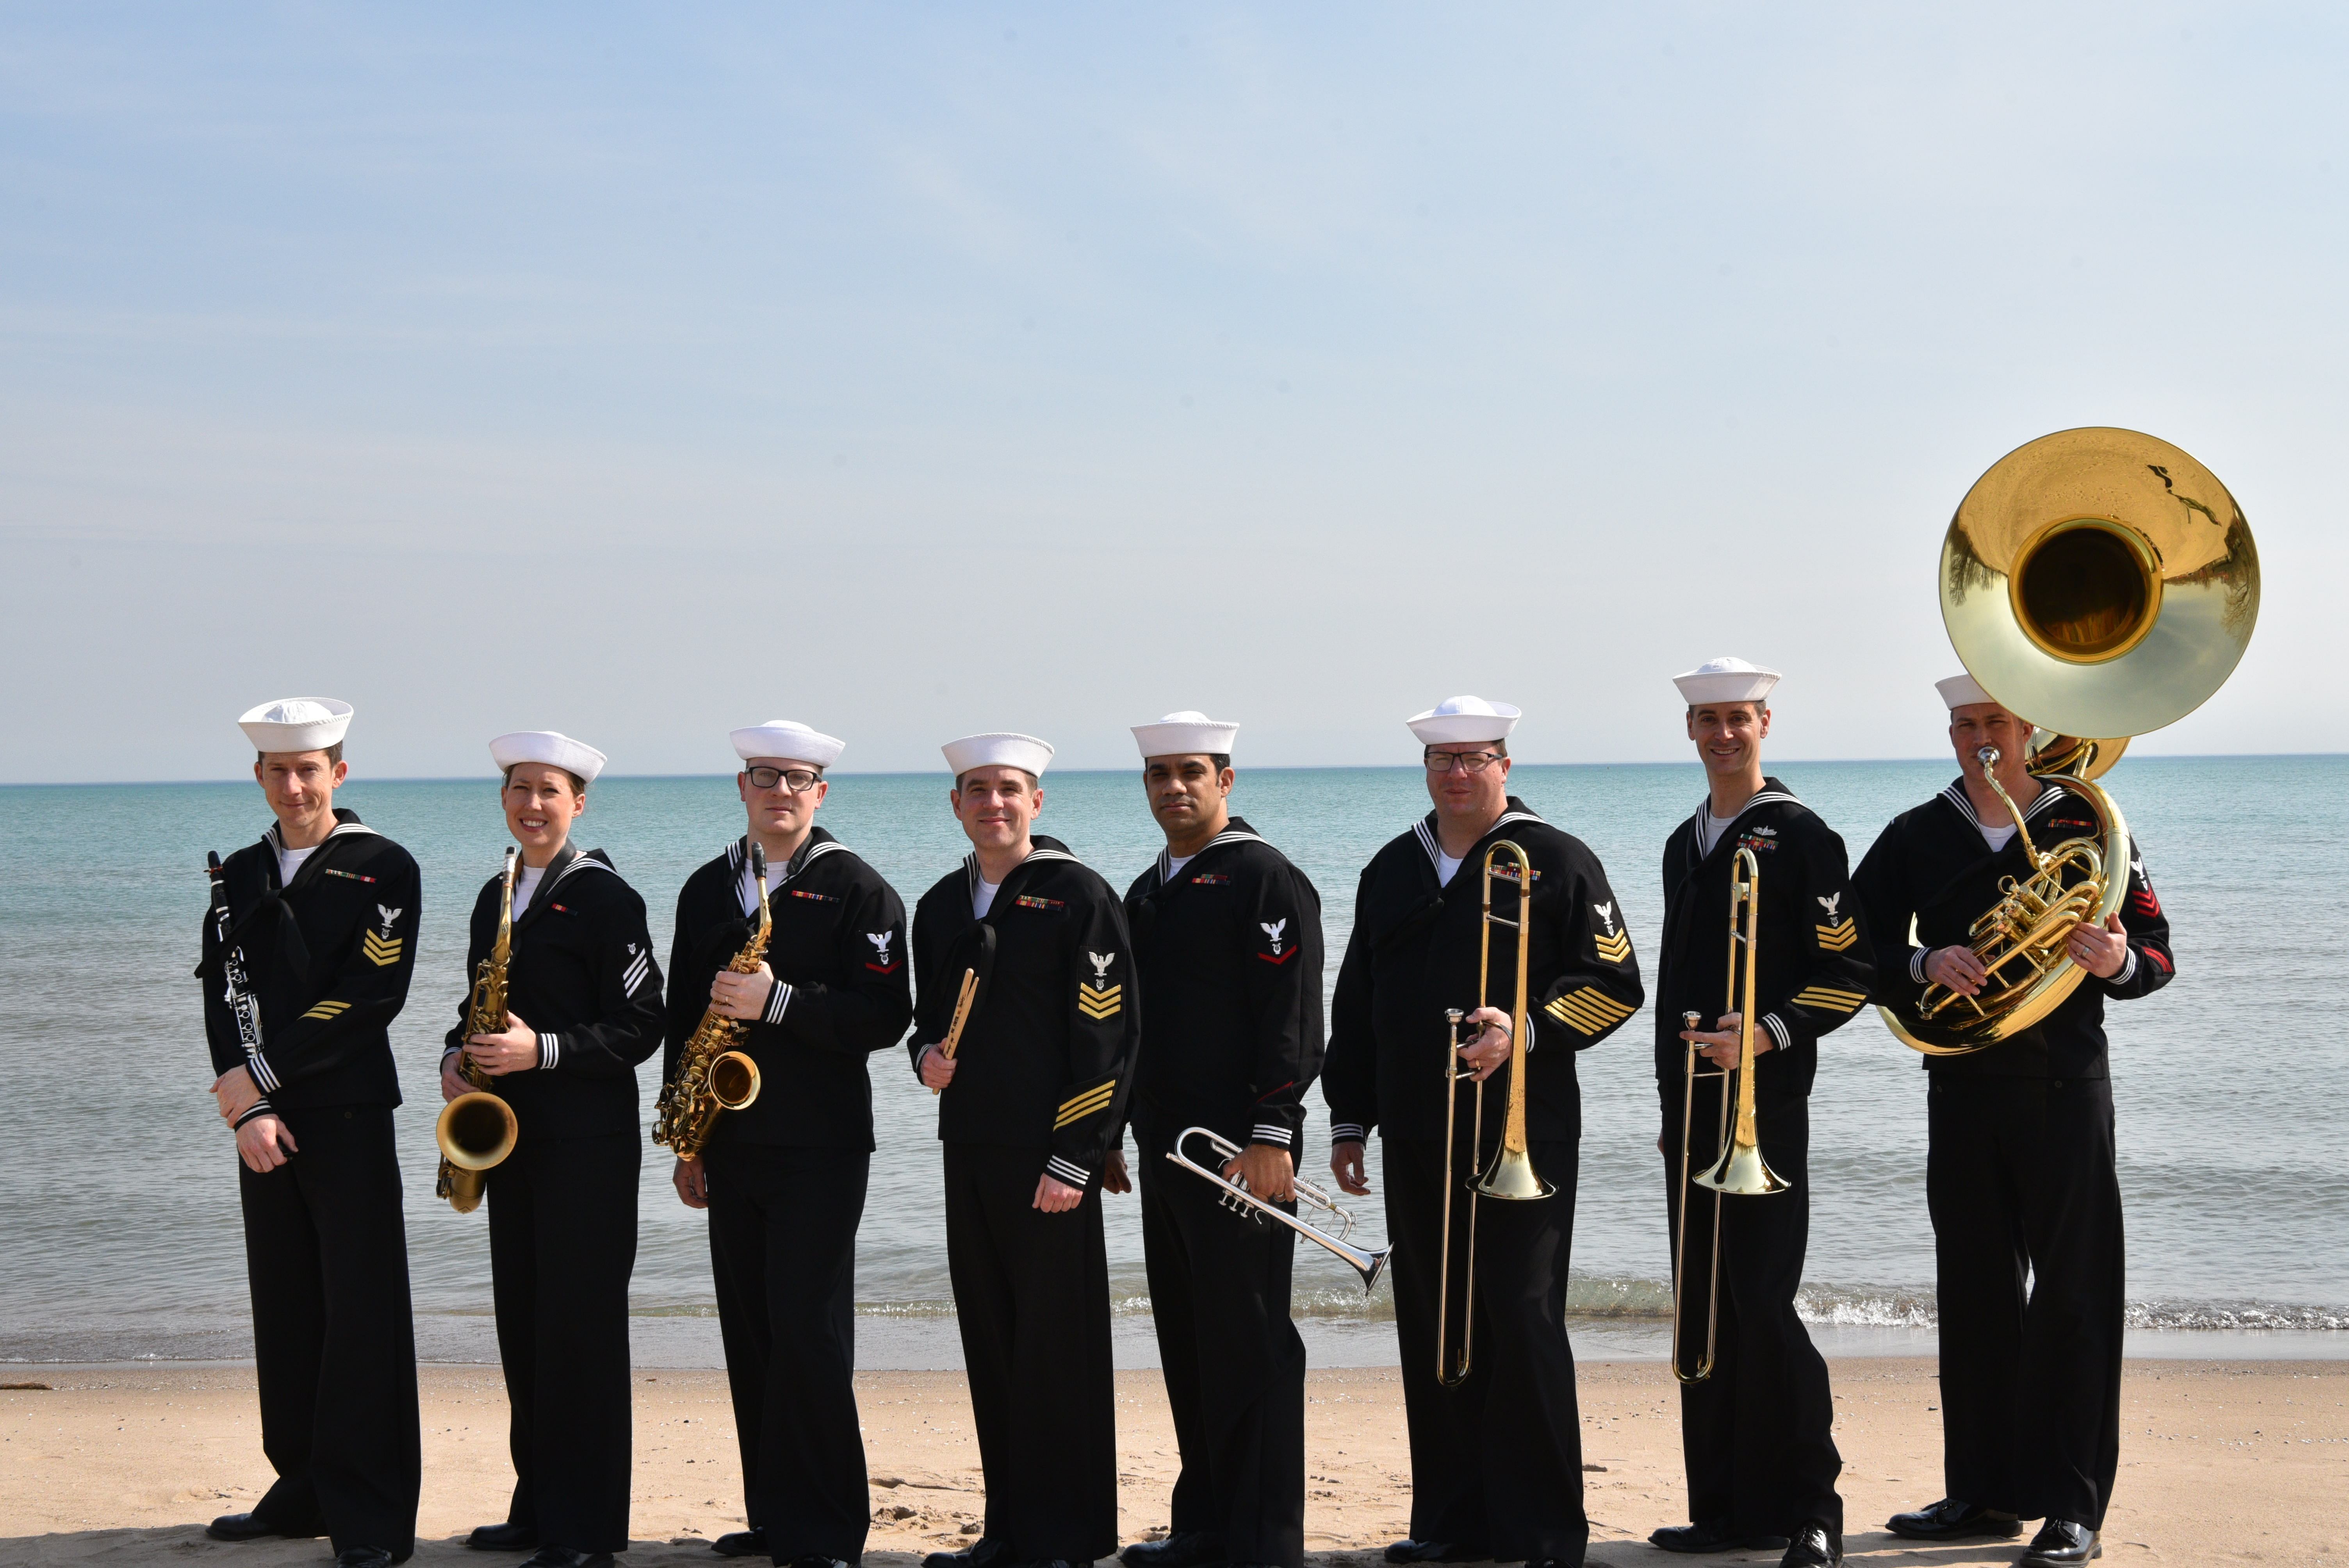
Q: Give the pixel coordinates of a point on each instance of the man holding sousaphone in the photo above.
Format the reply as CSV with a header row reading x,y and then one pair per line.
x,y
582,1008
1228,950
1480,1280
2021,1161
784,1175
2102,583
1762,953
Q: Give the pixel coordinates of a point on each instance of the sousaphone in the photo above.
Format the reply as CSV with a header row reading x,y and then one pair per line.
x,y
2099,583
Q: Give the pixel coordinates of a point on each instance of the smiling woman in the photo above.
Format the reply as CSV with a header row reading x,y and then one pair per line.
x,y
562,1206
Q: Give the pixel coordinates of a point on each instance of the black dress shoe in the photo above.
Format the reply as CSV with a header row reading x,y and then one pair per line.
x,y
1813,1546
250,1527
1953,1519
1437,1551
366,1557
2061,1544
506,1537
567,1557
751,1542
1183,1548
1713,1535
817,1563
986,1551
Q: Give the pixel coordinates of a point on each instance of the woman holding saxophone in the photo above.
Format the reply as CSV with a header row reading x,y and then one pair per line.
x,y
783,1176
1755,1407
582,1008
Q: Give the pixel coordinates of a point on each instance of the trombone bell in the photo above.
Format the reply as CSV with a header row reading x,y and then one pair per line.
x,y
1741,1172
1512,1177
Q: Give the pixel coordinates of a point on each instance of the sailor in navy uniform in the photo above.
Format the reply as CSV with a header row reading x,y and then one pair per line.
x,y
1496,1460
1755,1434
2020,1174
583,1007
1228,951
1029,1108
322,917
784,1177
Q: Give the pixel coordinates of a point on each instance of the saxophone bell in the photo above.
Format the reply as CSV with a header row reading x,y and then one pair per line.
x,y
712,1075
477,1130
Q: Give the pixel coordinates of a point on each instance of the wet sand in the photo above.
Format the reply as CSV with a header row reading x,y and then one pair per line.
x,y
2221,1461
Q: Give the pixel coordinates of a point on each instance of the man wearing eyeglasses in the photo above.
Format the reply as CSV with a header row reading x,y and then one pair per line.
x,y
784,1179
1495,1454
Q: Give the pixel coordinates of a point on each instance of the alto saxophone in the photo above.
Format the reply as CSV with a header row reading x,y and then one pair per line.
x,y
712,1073
478,1131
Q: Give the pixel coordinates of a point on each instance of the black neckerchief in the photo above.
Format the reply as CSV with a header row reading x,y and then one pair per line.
x,y
276,919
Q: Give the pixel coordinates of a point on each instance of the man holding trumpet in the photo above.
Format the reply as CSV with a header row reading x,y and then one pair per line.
x,y
1756,1408
1227,949
1488,1374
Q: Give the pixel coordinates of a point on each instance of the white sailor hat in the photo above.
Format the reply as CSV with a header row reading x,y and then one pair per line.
x,y
789,740
1725,680
1464,718
1000,748
1961,691
1184,733
296,724
573,757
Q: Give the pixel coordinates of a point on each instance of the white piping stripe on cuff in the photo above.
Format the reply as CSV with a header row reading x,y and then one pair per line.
x,y
1777,1029
263,1078
2128,969
1346,1132
550,1050
1269,1132
777,1000
1063,1171
258,1107
1916,965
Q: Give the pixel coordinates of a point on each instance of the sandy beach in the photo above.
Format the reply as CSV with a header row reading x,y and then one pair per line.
x,y
2223,1461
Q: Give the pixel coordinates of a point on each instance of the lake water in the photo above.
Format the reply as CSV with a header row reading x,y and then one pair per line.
x,y
120,1203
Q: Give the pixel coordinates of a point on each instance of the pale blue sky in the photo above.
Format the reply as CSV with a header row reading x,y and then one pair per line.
x,y
911,371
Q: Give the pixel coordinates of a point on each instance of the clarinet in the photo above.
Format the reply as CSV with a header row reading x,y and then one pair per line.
x,y
242,1004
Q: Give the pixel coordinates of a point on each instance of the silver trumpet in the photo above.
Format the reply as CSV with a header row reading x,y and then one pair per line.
x,y
1368,1262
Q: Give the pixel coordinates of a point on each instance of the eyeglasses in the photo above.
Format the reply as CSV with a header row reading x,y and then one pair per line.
x,y
1475,761
797,780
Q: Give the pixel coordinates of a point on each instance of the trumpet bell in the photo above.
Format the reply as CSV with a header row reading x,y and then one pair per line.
x,y
1741,1172
2099,581
476,1130
1513,1178
733,1079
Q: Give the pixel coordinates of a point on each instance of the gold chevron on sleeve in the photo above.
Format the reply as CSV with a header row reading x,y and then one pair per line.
x,y
327,1010
1081,1106
383,951
1615,949
1835,938
1588,1009
1829,998
1099,1002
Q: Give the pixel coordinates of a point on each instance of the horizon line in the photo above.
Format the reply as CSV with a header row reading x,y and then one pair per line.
x,y
1265,768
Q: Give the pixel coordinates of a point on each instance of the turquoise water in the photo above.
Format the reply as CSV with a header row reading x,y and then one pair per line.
x,y
119,1195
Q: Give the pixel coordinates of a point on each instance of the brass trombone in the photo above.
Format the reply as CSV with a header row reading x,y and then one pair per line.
x,y
1512,1177
1739,1170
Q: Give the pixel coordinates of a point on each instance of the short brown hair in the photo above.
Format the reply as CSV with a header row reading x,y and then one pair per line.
x,y
334,754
